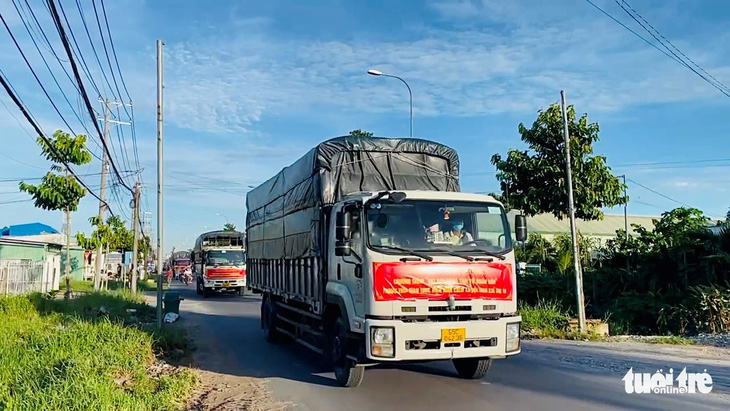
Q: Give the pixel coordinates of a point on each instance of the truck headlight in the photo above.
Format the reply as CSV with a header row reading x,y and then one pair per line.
x,y
512,342
381,341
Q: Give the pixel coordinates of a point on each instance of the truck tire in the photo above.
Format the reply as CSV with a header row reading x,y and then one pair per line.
x,y
347,373
268,321
240,291
472,368
198,286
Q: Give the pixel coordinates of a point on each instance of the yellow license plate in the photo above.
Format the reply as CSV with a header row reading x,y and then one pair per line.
x,y
226,284
453,335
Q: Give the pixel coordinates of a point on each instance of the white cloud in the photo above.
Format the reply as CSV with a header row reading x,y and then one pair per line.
x,y
227,84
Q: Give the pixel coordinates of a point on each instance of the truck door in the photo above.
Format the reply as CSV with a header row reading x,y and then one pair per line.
x,y
346,272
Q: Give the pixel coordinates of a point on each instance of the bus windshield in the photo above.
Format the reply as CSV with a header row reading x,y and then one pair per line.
x,y
225,257
438,226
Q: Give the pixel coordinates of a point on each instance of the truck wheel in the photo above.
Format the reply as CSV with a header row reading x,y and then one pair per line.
x,y
240,291
268,321
347,373
199,287
472,368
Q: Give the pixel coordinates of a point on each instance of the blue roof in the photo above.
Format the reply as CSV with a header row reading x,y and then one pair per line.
x,y
27,229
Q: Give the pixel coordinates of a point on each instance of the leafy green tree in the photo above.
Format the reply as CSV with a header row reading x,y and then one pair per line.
x,y
360,133
537,250
534,180
229,227
58,192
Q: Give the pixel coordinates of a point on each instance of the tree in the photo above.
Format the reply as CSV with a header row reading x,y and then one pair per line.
x,y
112,235
229,227
56,192
60,192
360,133
534,180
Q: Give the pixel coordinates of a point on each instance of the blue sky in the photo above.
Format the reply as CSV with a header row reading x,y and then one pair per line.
x,y
250,86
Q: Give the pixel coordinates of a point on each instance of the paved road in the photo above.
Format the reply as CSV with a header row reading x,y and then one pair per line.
x,y
546,376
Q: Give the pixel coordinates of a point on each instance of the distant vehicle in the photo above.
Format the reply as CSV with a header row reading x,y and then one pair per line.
x,y
180,261
366,251
219,262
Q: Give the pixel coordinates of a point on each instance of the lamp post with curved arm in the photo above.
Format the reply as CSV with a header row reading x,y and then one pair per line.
x,y
379,73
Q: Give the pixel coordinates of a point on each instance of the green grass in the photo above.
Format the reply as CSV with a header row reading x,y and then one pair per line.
x,y
149,284
546,319
86,353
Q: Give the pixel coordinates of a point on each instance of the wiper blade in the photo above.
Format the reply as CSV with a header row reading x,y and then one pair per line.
x,y
407,251
485,252
450,252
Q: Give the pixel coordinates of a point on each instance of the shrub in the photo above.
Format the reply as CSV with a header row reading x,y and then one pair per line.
x,y
545,319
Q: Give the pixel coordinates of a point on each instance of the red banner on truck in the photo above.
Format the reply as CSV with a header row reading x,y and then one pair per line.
x,y
426,280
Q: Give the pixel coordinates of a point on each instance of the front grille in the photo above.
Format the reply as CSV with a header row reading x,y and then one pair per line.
x,y
436,344
446,308
422,345
489,342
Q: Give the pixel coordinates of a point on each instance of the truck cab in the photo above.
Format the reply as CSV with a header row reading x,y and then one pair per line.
x,y
219,263
425,275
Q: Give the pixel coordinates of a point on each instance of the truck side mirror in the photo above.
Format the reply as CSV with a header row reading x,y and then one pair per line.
x,y
343,248
521,227
343,226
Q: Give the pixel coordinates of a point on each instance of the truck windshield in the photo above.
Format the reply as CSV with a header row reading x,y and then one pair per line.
x,y
226,257
437,226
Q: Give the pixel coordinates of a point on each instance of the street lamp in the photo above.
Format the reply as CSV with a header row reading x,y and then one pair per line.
x,y
379,73
221,215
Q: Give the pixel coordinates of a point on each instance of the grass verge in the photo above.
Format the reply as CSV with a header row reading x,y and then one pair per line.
x,y
87,353
547,319
149,284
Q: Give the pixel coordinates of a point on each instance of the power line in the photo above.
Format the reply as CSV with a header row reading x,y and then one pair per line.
x,y
712,80
16,118
80,56
667,52
66,45
93,48
12,36
632,31
45,62
658,193
114,52
713,160
17,179
22,108
106,52
16,201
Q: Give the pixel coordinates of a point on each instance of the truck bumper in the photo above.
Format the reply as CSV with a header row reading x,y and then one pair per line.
x,y
230,283
421,341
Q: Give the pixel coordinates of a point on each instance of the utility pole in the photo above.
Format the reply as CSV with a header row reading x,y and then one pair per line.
x,y
571,212
626,215
626,227
135,227
102,194
159,183
68,249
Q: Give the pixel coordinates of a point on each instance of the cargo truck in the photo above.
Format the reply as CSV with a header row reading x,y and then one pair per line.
x,y
219,262
366,251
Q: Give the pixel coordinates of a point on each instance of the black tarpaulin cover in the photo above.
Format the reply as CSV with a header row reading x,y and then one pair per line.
x,y
283,219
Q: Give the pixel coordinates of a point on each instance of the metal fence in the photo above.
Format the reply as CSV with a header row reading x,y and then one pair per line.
x,y
18,277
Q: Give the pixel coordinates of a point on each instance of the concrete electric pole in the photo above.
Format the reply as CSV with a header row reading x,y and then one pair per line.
x,y
135,225
102,193
571,213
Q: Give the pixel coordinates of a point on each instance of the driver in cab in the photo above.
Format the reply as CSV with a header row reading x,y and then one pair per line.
x,y
457,235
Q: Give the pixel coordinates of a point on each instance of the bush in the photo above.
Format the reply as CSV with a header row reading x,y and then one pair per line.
x,y
545,319
71,354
